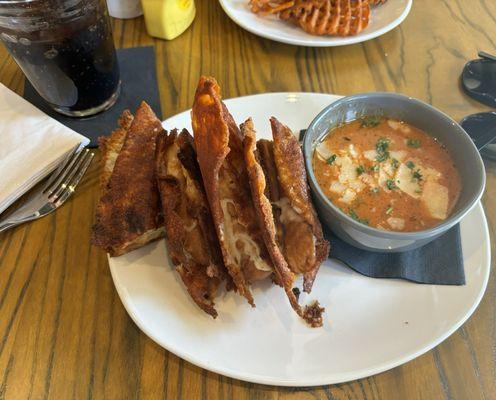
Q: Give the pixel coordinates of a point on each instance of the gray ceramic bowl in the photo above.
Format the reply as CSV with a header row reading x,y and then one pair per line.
x,y
416,113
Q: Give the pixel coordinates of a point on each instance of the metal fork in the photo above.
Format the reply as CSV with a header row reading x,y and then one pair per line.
x,y
55,192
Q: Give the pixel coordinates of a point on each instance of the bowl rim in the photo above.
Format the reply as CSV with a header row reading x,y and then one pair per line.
x,y
434,231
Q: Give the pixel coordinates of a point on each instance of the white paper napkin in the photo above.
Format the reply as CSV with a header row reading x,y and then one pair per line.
x,y
31,145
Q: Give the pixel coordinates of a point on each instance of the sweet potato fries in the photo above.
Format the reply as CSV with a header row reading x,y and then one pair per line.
x,y
320,17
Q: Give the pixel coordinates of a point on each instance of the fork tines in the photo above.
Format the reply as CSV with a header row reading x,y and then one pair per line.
x,y
63,181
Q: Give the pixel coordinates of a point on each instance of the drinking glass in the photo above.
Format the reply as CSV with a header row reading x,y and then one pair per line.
x,y
66,50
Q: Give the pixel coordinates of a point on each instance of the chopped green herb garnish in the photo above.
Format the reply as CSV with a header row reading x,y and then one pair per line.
x,y
395,163
410,164
381,147
370,121
360,170
389,211
418,191
415,143
331,159
390,184
374,167
382,144
382,157
417,175
375,190
354,215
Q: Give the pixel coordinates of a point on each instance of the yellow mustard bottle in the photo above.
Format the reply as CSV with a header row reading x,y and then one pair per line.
x,y
167,19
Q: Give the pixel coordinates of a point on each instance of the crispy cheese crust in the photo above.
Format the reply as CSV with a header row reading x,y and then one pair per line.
x,y
220,155
190,233
312,314
128,215
302,230
111,146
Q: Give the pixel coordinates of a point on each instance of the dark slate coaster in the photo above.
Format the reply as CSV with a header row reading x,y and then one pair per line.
x,y
139,82
439,262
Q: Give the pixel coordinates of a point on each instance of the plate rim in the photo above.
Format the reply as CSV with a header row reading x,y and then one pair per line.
x,y
263,94
319,381
348,40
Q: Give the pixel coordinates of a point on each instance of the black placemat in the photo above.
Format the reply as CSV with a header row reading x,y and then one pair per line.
x,y
439,262
139,82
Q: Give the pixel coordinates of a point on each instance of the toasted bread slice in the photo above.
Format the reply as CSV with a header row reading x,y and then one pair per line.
x,y
220,155
128,215
192,241
300,233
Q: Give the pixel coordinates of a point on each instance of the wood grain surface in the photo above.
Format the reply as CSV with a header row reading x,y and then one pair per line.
x,y
63,331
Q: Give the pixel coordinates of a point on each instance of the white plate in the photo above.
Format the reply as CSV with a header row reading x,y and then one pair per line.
x,y
371,325
383,19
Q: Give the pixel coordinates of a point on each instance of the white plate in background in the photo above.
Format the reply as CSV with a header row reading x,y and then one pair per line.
x,y
383,19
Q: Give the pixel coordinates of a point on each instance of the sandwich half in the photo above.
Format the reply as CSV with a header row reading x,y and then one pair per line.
x,y
128,214
219,147
298,230
291,230
263,209
189,229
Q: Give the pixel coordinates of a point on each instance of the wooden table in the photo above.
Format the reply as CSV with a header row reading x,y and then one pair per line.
x,y
63,330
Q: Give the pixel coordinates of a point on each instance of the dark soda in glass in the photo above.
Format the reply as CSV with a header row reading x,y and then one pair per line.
x,y
66,50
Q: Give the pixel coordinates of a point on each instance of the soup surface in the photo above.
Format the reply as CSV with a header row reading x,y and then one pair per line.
x,y
387,174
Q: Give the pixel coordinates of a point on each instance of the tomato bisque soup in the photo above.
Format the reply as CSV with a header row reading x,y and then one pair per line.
x,y
387,174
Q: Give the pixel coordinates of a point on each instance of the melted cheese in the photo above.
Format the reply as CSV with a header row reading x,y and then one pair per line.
x,y
382,178
323,151
388,168
436,199
348,196
288,213
398,155
394,124
370,155
396,223
405,182
192,191
368,179
347,171
337,187
398,125
174,167
247,246
350,183
352,151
